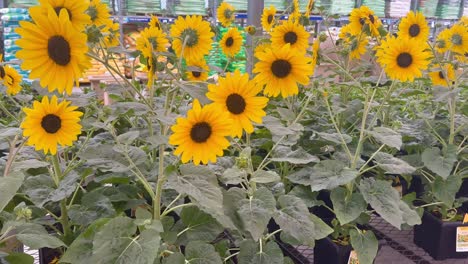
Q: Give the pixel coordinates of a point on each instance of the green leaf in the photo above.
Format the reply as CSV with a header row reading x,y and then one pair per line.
x,y
293,218
257,211
9,185
29,164
66,188
322,230
306,195
233,176
128,138
200,225
231,204
94,205
387,136
249,253
438,163
265,177
198,252
19,258
365,245
445,190
9,132
37,241
347,208
393,165
176,258
298,156
328,174
335,137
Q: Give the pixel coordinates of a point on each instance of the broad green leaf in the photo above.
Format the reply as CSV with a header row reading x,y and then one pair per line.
x,y
265,177
81,250
347,208
66,188
387,136
328,174
37,241
143,250
200,225
249,253
286,114
176,258
365,245
445,190
231,204
257,211
233,176
94,205
335,137
28,164
198,252
298,156
410,217
306,195
19,258
293,218
393,165
9,132
128,138
440,163
9,185
322,230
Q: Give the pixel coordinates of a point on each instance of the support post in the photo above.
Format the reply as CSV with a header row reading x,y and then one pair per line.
x,y
254,13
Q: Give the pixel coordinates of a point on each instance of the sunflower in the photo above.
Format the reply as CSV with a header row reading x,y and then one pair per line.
x,y
198,71
364,19
281,69
355,44
295,11
201,136
12,80
290,33
268,18
403,58
315,54
195,33
76,11
251,30
50,123
237,95
262,47
310,6
458,39
225,14
154,22
53,50
99,13
414,25
442,76
112,34
231,43
443,41
151,40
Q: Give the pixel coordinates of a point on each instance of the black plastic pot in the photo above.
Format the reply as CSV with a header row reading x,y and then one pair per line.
x,y
328,252
463,192
438,238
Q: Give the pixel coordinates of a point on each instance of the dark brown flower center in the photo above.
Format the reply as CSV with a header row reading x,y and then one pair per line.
x,y
235,104
200,132
414,30
269,19
57,11
281,68
372,19
290,37
191,35
362,21
404,60
229,42
2,72
196,74
51,123
441,75
59,50
228,14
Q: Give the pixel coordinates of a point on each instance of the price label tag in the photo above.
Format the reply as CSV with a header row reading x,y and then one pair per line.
x,y
353,259
462,239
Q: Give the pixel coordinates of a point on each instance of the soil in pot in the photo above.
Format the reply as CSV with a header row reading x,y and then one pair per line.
x,y
438,238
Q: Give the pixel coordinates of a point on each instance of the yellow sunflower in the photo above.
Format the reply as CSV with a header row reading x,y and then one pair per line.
x,y
52,50
414,25
404,59
356,45
315,55
290,33
237,95
268,18
364,19
262,47
231,43
195,33
198,71
154,22
443,76
151,40
201,136
310,6
112,34
12,80
76,11
443,41
99,13
295,11
251,30
225,14
280,70
458,39
50,123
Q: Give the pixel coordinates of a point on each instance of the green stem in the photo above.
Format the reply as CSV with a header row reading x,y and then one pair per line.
x,y
332,117
2,106
166,212
159,185
452,106
67,232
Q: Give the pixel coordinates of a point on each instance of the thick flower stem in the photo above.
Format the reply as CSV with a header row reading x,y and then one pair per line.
x,y
452,108
67,232
159,185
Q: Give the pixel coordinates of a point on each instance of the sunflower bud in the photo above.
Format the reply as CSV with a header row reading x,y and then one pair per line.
x,y
251,30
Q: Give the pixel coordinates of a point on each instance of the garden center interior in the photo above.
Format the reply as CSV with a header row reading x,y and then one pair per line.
x,y
233,131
